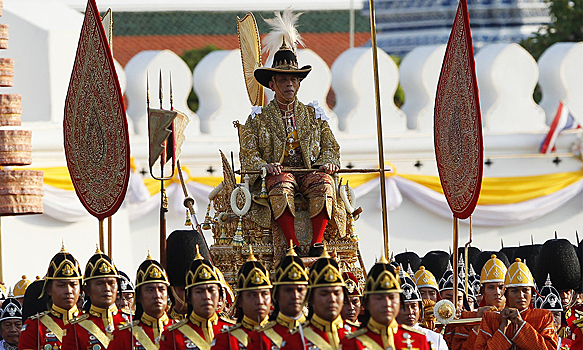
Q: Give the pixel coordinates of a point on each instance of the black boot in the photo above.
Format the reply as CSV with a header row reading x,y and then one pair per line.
x,y
316,250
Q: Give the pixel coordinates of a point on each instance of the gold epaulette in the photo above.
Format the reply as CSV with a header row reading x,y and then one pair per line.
x,y
79,319
350,323
304,325
127,325
230,329
177,324
356,333
579,323
227,320
411,329
264,327
39,315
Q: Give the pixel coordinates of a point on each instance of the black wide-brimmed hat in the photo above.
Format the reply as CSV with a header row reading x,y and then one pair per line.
x,y
284,62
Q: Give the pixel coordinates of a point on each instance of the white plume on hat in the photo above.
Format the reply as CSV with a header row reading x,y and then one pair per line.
x,y
283,28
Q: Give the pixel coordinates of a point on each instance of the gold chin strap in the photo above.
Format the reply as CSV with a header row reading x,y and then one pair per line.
x,y
287,101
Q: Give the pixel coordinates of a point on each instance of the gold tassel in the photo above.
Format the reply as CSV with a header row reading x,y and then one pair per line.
x,y
238,238
206,225
188,222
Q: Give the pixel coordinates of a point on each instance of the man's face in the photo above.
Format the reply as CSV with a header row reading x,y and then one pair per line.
x,y
351,308
204,299
428,294
102,291
285,86
126,301
409,313
10,330
493,292
64,293
255,303
383,307
448,295
290,298
518,297
327,302
566,296
154,298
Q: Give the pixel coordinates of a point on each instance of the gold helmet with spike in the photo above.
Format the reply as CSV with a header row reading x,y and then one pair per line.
x,y
100,265
151,271
518,275
252,275
201,271
494,270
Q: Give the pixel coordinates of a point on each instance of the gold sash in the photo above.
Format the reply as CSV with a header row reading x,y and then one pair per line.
x,y
194,337
240,335
52,326
143,338
317,339
369,343
275,338
96,331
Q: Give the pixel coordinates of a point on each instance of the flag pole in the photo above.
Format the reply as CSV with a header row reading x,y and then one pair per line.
x,y
375,62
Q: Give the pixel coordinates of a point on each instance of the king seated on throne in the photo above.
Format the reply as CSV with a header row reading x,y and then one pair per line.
x,y
289,134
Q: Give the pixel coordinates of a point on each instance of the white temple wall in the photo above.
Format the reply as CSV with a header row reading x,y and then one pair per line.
x,y
561,74
514,129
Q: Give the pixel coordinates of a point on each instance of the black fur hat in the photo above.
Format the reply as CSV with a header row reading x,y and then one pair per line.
x,y
32,303
407,259
559,259
180,252
508,251
436,262
485,256
473,254
529,254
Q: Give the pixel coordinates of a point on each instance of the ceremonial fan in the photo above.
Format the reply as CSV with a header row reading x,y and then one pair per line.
x,y
250,48
459,149
95,127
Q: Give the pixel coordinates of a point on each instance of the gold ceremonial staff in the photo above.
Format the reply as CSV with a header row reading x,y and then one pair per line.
x,y
375,64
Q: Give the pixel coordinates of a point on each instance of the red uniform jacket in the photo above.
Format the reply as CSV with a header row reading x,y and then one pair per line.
x,y
537,333
235,337
376,337
101,322
45,329
147,333
179,336
316,334
270,336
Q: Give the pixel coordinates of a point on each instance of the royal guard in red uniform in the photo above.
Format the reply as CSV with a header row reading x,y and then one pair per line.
x,y
60,289
558,258
147,329
253,303
380,330
352,302
288,294
493,299
518,326
93,330
203,292
326,292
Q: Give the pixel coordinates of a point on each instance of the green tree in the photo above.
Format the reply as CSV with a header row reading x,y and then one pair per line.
x,y
566,26
192,57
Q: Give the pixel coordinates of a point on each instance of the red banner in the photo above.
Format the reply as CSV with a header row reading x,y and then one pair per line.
x,y
95,126
459,149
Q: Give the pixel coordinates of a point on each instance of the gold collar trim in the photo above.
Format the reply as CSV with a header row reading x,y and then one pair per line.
x,y
288,322
251,324
106,315
63,314
330,328
157,324
387,333
206,324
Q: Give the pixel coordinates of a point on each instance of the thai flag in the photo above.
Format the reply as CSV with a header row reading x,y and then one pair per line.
x,y
563,120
